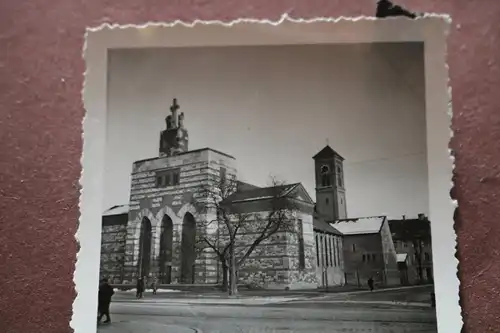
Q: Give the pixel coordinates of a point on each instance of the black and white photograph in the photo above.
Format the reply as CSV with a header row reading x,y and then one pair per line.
x,y
266,189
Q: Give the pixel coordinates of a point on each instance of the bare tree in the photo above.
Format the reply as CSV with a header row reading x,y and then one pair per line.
x,y
232,229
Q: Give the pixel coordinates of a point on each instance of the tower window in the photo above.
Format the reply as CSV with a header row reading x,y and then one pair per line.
x,y
340,177
325,176
168,178
327,201
223,174
353,247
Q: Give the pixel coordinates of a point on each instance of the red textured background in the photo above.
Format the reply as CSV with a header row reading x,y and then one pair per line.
x,y
41,112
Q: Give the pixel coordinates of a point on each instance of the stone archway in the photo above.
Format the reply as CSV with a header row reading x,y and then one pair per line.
x,y
144,263
188,253
166,247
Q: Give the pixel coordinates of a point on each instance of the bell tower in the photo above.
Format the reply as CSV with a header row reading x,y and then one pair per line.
x,y
330,186
174,139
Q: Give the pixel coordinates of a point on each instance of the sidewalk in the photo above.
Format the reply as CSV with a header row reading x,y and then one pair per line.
x,y
143,327
248,300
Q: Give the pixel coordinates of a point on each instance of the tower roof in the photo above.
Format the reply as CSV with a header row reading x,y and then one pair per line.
x,y
327,152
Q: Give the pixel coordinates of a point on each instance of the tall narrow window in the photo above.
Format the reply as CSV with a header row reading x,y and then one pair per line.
x,y
332,251
159,181
317,250
302,257
339,251
327,256
168,179
334,241
340,177
175,179
353,247
223,174
325,176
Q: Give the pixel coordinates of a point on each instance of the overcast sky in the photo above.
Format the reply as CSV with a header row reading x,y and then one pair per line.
x,y
273,108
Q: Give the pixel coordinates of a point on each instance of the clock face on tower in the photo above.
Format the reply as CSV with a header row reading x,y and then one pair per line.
x,y
325,169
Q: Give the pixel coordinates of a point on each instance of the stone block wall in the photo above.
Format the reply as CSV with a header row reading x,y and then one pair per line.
x,y
152,202
275,263
114,230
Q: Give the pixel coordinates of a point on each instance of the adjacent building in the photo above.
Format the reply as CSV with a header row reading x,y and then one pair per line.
x,y
368,251
412,240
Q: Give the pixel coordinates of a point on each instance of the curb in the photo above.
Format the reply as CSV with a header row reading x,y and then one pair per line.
x,y
135,326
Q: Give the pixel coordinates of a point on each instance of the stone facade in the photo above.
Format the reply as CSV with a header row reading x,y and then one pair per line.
x,y
114,231
152,200
286,260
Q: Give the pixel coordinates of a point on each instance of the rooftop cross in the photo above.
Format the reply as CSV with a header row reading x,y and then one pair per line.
x,y
174,106
327,142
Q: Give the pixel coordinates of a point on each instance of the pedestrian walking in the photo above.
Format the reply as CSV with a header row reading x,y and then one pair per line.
x,y
370,283
154,286
139,288
105,294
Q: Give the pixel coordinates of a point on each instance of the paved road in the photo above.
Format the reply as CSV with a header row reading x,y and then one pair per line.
x,y
305,312
272,319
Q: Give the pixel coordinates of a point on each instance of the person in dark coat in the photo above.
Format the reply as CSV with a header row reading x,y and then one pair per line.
x,y
140,287
105,294
154,286
370,283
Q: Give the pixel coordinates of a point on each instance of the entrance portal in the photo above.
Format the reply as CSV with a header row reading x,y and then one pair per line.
x,y
166,238
188,253
144,264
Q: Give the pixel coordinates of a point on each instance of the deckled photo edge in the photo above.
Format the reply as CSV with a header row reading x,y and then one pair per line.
x,y
93,123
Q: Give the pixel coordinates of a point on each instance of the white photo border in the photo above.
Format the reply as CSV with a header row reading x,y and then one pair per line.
x,y
431,29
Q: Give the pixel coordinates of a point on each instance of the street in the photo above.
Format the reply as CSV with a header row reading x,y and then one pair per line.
x,y
392,311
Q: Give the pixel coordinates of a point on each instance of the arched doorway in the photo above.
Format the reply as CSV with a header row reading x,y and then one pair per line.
x,y
166,239
188,254
144,263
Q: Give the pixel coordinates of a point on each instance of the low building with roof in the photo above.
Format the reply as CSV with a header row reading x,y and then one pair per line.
x,y
368,251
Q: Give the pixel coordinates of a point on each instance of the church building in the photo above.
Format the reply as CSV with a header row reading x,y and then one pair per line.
x,y
157,234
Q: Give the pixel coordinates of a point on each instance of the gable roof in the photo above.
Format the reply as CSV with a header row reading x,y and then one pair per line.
x,y
326,152
116,210
322,226
265,193
410,229
360,226
243,186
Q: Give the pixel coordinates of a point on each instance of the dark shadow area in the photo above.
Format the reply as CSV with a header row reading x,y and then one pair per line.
x,y
144,264
188,254
166,239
